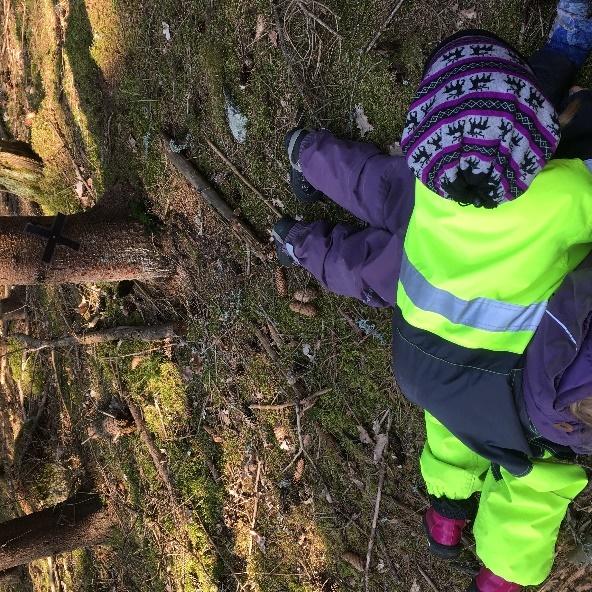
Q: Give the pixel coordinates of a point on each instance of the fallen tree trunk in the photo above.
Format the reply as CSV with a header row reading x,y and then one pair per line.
x,y
81,521
154,333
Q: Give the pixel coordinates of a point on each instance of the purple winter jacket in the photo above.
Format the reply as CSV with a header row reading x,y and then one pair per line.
x,y
558,367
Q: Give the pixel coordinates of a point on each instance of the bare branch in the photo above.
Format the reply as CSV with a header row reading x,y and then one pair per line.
x,y
143,333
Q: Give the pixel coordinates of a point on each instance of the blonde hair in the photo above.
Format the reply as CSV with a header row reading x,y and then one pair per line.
x,y
582,410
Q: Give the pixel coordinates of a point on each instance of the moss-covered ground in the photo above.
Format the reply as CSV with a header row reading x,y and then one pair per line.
x,y
93,87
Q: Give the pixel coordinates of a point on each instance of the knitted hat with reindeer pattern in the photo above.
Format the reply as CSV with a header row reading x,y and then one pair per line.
x,y
480,128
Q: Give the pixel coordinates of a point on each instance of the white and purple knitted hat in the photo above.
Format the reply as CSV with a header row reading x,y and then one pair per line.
x,y
480,128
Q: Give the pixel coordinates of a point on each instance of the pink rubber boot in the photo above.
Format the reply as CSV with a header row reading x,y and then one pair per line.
x,y
487,581
444,534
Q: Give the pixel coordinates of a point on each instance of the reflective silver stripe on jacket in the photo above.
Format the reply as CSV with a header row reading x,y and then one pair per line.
x,y
479,313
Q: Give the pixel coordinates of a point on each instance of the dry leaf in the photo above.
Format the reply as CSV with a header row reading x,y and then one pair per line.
x,y
260,540
359,484
362,122
381,442
187,374
166,31
468,15
196,363
273,37
364,435
306,296
136,361
261,26
281,435
215,437
83,307
225,416
299,470
93,322
281,283
354,560
306,310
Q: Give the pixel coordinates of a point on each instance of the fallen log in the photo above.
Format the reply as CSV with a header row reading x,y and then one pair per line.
x,y
142,333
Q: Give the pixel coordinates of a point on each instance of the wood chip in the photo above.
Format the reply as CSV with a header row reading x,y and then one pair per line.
x,y
306,310
354,560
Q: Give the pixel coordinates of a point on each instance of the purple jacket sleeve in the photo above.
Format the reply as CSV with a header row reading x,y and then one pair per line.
x,y
558,369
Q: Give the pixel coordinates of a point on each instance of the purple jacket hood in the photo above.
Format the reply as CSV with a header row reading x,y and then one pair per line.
x,y
558,369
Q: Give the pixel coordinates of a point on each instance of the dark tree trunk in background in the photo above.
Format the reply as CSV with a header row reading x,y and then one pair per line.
x,y
20,169
112,248
81,521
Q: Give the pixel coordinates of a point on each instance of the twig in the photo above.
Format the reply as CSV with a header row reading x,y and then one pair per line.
x,y
321,22
301,450
213,198
142,333
427,579
351,323
158,458
305,404
255,509
377,504
266,344
382,29
241,177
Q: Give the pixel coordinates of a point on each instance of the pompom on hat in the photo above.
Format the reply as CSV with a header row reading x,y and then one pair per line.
x,y
480,128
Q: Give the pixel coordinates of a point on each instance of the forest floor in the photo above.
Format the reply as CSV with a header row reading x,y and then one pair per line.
x,y
93,84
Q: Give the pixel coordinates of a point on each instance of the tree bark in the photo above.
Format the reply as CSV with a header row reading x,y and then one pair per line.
x,y
111,249
20,169
81,521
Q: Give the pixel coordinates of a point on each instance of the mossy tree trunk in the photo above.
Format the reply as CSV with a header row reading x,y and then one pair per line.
x,y
81,521
112,248
20,169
